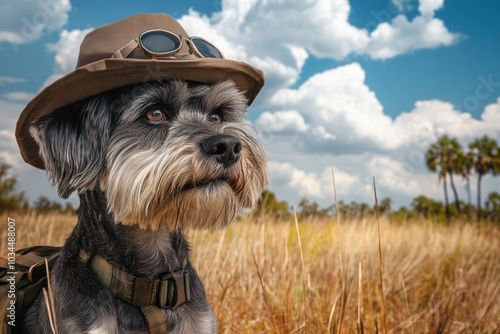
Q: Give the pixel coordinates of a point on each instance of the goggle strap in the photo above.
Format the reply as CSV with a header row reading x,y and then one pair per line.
x,y
126,50
133,45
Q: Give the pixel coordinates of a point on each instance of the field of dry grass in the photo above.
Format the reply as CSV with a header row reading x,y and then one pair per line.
x,y
267,276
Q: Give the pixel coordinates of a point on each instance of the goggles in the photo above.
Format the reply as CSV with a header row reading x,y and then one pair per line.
x,y
163,43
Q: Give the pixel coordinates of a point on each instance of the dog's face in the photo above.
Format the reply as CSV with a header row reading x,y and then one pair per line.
x,y
177,154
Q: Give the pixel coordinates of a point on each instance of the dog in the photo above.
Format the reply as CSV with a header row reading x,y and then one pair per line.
x,y
148,160
172,155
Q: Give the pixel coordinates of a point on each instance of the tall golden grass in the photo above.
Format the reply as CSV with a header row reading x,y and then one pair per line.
x,y
316,276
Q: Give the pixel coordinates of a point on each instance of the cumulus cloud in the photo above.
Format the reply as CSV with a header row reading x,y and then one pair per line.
x,y
354,180
333,112
25,21
296,179
428,7
316,185
66,52
491,117
403,36
279,62
334,115
401,171
430,119
394,177
282,122
278,36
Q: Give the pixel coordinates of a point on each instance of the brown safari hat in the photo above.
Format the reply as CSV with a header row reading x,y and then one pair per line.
x,y
97,71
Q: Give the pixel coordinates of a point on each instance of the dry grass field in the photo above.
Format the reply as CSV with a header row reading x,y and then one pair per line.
x,y
267,276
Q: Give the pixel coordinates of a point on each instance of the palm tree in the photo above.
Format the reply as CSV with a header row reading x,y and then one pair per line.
x,y
466,172
444,156
485,158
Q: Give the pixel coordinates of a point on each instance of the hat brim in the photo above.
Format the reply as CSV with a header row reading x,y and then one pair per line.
x,y
107,74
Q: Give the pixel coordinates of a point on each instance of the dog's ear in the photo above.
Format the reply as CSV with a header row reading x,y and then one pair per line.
x,y
73,142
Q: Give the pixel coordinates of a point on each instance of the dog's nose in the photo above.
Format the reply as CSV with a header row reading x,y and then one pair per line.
x,y
226,149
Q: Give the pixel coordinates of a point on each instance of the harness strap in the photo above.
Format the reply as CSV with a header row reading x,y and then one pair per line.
x,y
155,319
168,291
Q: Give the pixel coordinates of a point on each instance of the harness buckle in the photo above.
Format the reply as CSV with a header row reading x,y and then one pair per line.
x,y
174,289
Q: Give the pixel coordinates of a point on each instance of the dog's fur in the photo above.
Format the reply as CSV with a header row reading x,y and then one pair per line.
x,y
141,183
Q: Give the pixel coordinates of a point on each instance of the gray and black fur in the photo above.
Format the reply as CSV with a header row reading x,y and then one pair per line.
x,y
141,182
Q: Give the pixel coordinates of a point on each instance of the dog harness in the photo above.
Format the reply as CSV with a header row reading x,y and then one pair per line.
x,y
168,291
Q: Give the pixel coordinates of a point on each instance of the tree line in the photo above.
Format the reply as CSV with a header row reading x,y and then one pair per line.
x,y
447,158
12,199
421,207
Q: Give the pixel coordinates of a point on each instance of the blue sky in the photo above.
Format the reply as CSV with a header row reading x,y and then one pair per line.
x,y
361,85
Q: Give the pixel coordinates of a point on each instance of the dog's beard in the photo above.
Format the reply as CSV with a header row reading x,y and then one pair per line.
x,y
174,184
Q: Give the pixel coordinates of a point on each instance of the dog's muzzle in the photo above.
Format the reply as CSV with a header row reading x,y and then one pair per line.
x,y
224,148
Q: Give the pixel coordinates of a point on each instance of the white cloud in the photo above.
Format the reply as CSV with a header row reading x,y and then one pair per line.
x,y
9,151
428,7
31,180
300,54
310,184
305,184
430,119
334,112
25,21
4,80
398,176
10,113
66,50
427,121
393,177
278,36
18,96
402,36
491,116
66,56
401,5
281,122
279,63
8,138
201,25
334,115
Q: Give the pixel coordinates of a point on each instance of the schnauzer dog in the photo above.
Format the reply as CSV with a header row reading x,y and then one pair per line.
x,y
147,161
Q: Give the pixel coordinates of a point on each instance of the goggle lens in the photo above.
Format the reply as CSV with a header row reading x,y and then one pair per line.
x,y
158,42
206,49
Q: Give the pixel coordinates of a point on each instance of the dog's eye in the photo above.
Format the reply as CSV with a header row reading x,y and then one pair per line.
x,y
155,115
215,118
